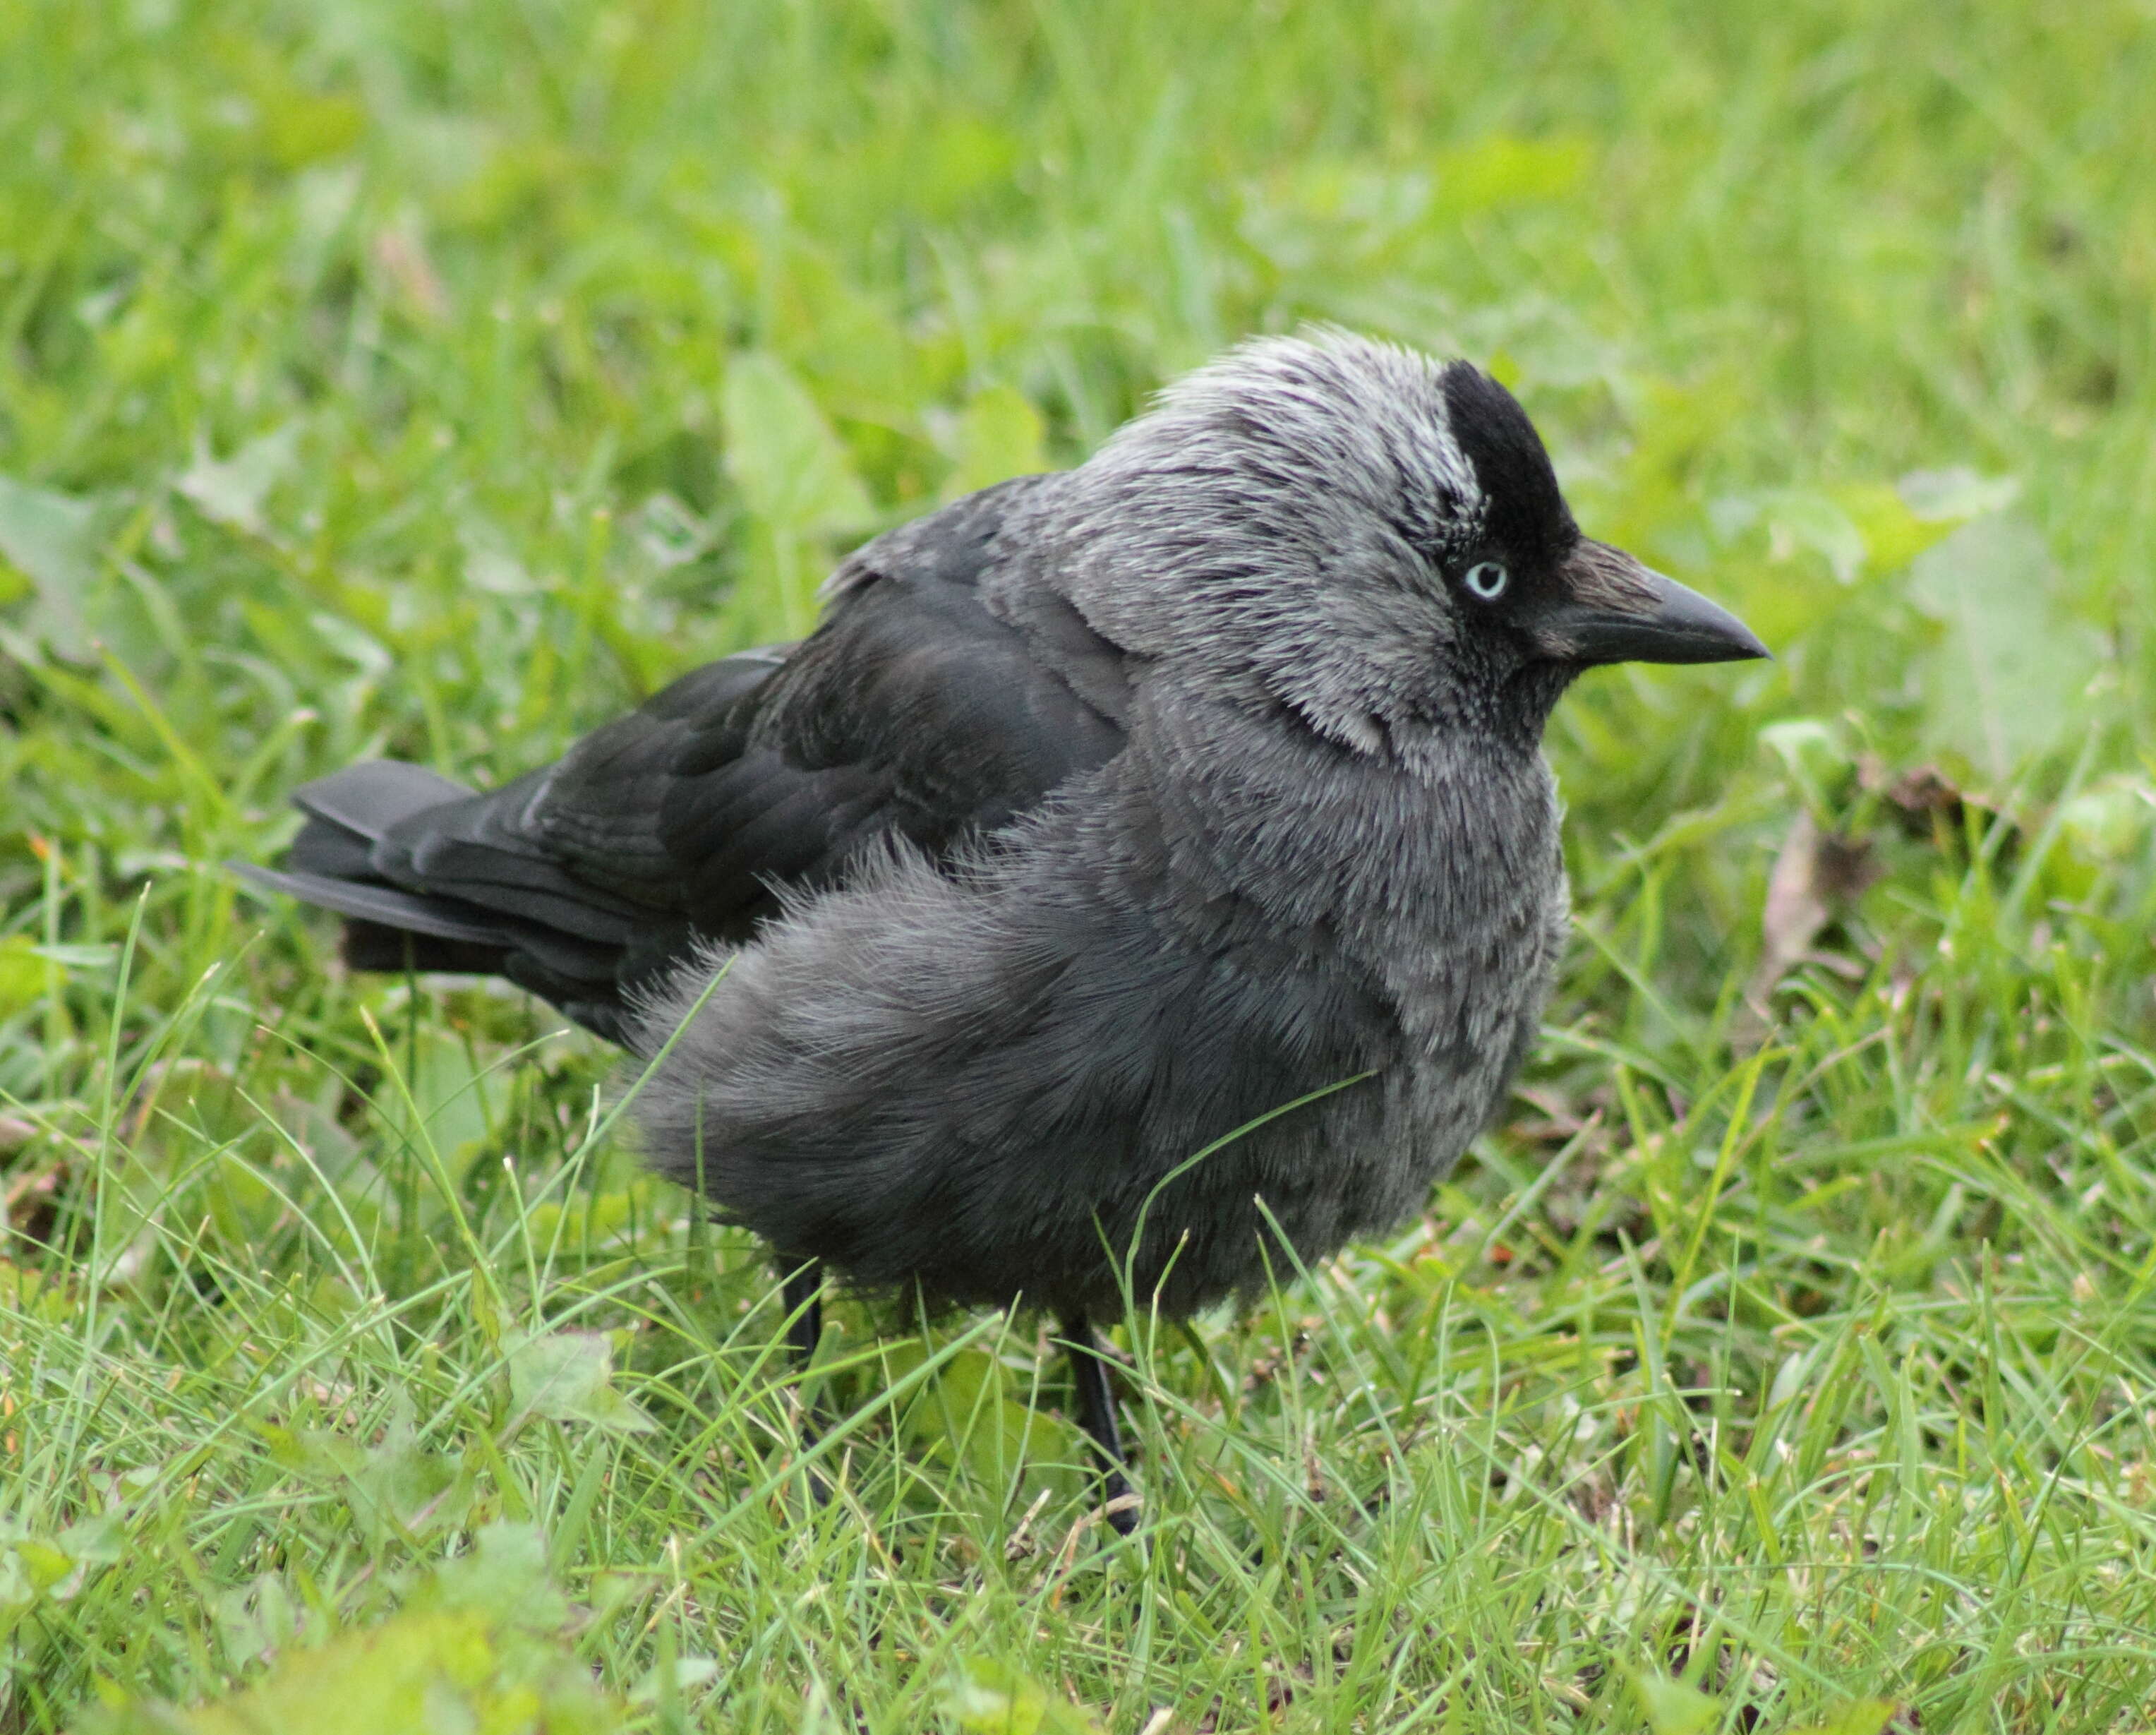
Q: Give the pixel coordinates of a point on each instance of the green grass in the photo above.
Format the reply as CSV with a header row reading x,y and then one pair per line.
x,y
388,377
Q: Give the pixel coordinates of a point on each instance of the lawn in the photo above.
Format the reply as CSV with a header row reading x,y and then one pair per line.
x,y
391,377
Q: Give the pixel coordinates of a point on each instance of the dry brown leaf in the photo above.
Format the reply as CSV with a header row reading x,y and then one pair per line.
x,y
1816,873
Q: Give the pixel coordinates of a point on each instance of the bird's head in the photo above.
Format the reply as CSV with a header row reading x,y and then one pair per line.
x,y
1370,539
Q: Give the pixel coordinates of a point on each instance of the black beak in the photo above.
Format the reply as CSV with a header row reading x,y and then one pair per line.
x,y
1612,610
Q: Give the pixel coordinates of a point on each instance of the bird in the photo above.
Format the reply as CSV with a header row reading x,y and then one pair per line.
x,y
1139,867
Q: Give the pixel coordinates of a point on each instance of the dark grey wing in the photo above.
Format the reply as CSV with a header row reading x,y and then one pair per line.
x,y
916,710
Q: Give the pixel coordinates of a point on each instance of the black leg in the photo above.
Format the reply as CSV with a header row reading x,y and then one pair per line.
x,y
803,1294
1096,1415
804,1308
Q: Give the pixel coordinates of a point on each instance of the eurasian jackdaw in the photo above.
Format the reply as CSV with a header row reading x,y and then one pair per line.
x,y
1137,864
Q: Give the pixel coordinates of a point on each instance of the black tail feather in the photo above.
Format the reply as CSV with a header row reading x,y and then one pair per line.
x,y
429,875
384,904
368,798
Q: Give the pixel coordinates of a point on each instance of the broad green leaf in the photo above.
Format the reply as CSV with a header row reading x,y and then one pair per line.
x,y
55,1567
2108,824
989,1697
314,1126
567,1377
1813,753
1000,435
425,1672
52,539
791,468
800,489
965,1413
443,1095
256,1617
25,972
2109,820
2007,680
1672,1708
1955,495
504,1578
100,1540
404,1487
45,1564
36,1292
1866,1717
18,1590
1797,519
231,491
318,1453
1894,533
397,1487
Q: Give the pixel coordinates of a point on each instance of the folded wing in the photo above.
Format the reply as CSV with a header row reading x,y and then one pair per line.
x,y
915,711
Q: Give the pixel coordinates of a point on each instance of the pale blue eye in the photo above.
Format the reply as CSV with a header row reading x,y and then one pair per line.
x,y
1488,579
